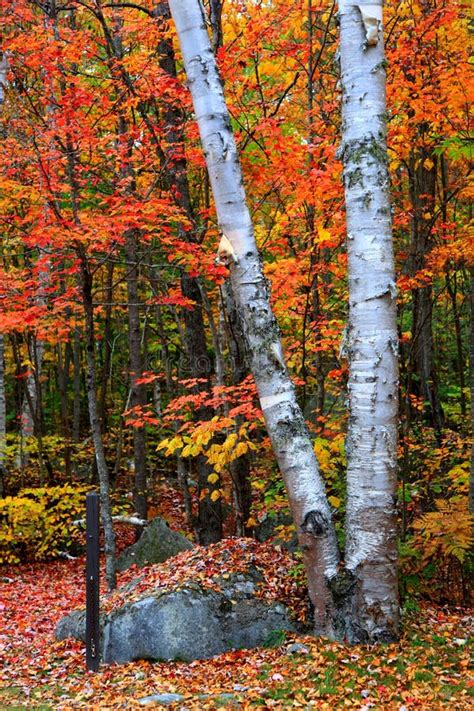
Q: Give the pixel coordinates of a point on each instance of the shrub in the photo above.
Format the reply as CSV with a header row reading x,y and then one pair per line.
x,y
21,523
37,523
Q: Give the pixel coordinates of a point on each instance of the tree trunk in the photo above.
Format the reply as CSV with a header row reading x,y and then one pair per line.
x,y
209,523
138,394
63,381
107,345
182,474
422,174
451,288
215,11
76,410
91,387
31,400
283,417
370,552
240,467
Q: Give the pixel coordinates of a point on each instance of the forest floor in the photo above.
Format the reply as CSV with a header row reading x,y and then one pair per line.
x,y
427,669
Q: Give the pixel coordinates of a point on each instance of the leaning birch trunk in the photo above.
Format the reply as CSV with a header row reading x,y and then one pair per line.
x,y
371,554
283,417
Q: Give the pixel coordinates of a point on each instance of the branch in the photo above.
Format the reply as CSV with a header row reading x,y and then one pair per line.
x,y
68,556
132,5
132,520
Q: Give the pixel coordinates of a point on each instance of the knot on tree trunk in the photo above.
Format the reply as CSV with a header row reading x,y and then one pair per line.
x,y
341,585
315,524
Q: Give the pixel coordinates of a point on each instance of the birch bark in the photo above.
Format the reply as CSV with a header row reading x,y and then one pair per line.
x,y
370,555
283,417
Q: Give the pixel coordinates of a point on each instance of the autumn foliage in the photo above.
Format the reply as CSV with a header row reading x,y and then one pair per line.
x,y
87,158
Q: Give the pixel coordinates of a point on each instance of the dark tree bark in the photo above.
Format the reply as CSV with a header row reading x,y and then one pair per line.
x,y
115,52
107,345
91,388
64,361
209,523
239,468
215,7
422,177
138,393
76,387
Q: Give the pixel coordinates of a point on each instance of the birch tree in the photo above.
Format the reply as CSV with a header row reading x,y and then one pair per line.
x,y
356,600
283,417
370,554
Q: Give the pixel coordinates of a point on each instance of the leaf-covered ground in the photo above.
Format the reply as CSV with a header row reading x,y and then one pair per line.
x,y
427,669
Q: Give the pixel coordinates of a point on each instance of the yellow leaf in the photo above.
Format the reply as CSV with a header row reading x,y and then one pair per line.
x,y
216,494
230,442
334,501
323,235
240,449
213,478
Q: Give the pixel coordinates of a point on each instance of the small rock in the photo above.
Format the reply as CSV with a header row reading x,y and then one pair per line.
x,y
156,544
160,699
297,648
365,693
73,625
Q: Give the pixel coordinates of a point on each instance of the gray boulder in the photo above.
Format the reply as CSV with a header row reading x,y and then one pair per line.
x,y
156,544
73,625
186,624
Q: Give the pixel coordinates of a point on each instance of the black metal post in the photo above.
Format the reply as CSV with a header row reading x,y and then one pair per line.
x,y
92,582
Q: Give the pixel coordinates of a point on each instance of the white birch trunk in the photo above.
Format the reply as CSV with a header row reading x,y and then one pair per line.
x,y
370,555
284,421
